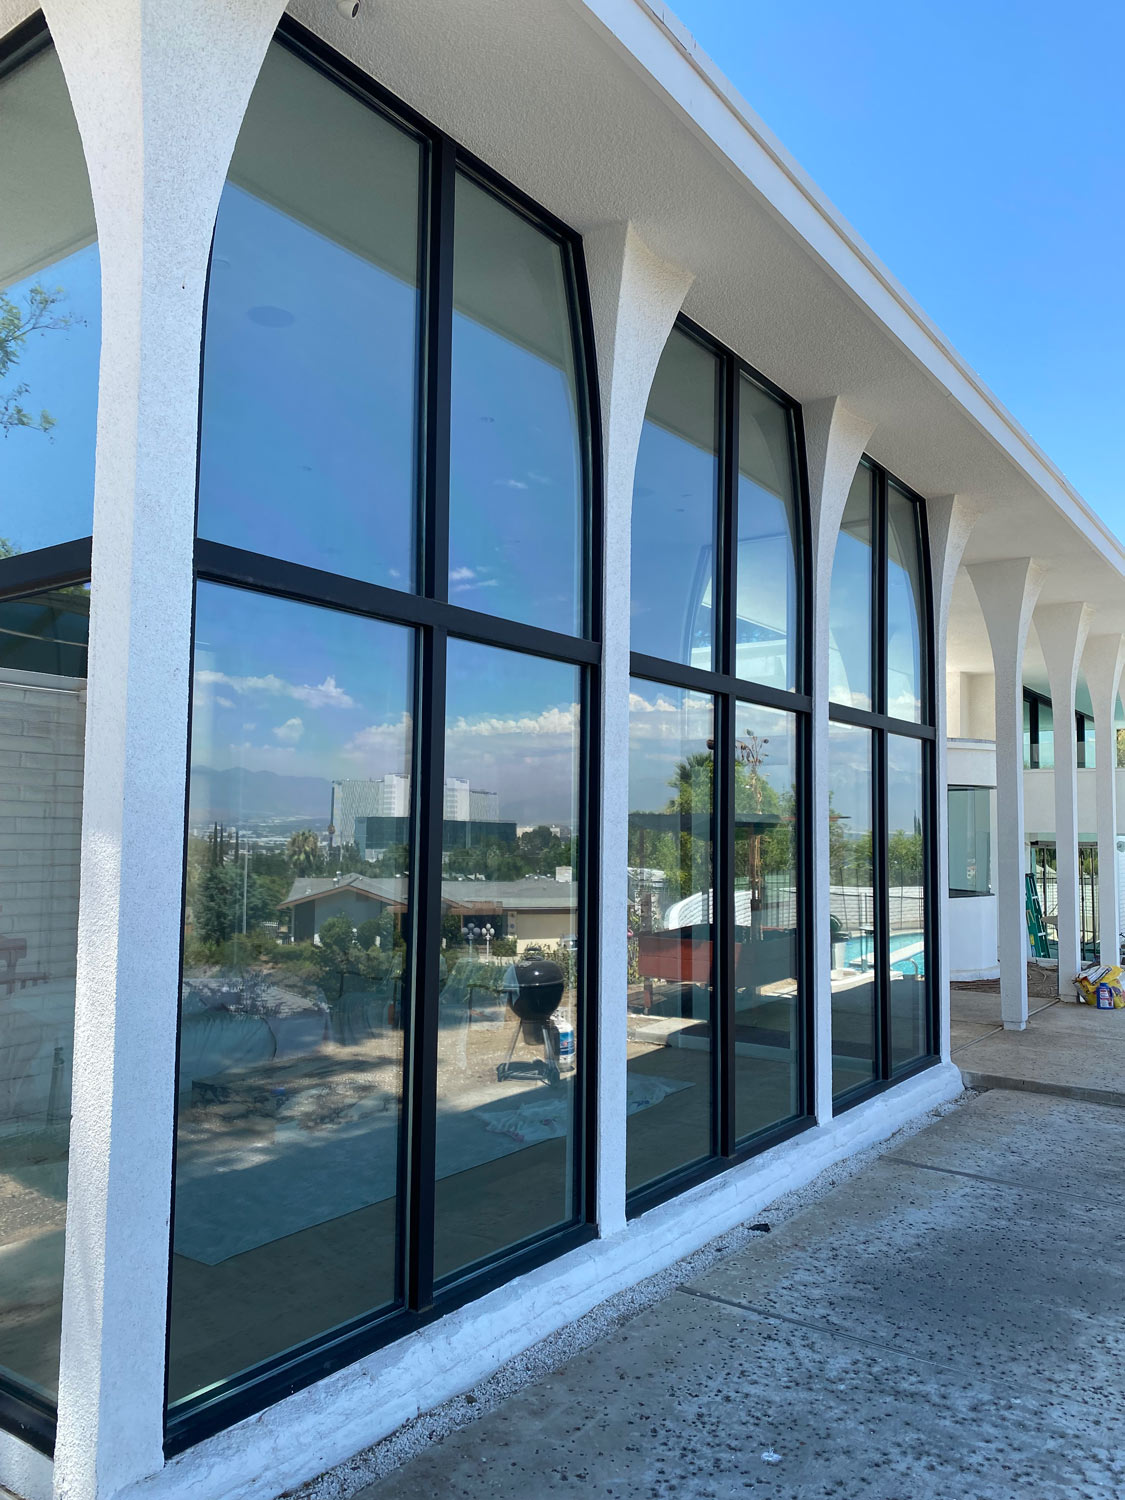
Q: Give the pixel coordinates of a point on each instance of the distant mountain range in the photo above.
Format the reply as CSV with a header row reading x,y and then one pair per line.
x,y
237,795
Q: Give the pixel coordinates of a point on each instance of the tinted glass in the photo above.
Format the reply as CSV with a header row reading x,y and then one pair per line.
x,y
42,725
671,930
1029,749
767,999
850,616
293,999
310,381
852,907
516,473
970,841
766,627
906,880
675,508
508,1012
50,314
904,608
1046,736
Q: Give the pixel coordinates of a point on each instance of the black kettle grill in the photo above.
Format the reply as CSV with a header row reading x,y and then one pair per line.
x,y
534,987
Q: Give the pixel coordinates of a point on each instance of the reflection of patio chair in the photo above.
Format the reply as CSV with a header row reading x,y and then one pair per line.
x,y
12,950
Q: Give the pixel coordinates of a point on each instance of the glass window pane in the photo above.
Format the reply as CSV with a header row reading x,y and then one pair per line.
x,y
43,711
516,491
767,1034
50,314
1046,736
1028,746
509,1010
290,1080
970,841
671,932
766,629
675,507
906,879
904,608
308,444
852,906
850,613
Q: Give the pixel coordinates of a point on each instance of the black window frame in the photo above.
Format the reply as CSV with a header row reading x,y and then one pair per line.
x,y
434,620
1034,702
881,725
24,1411
727,690
1084,733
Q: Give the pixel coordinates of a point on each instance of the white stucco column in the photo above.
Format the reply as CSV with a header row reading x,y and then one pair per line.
x,y
950,520
1101,666
834,442
1007,592
158,92
634,298
1062,631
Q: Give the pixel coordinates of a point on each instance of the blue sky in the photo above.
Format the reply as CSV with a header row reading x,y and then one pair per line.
x,y
980,151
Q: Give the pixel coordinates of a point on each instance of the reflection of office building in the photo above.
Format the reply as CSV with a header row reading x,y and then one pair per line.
x,y
465,803
352,801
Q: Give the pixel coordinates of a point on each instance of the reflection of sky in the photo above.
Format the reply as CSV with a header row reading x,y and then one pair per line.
x,y
295,689
777,759
849,650
666,725
674,504
309,446
849,777
47,481
766,587
904,784
512,725
515,482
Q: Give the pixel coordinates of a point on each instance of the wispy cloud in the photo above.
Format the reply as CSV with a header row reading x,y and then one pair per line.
x,y
323,695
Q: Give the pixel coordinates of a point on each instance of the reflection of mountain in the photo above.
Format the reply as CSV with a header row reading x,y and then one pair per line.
x,y
236,794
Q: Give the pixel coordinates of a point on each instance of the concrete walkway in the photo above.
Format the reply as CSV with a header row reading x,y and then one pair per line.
x,y
1067,1049
948,1322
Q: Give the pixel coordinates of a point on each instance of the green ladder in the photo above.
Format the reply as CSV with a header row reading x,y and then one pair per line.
x,y
1036,929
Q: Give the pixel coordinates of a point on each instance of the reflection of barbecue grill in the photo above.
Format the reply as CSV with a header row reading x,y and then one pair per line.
x,y
534,988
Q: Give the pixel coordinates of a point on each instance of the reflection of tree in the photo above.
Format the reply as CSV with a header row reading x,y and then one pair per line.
x,y
304,852
17,324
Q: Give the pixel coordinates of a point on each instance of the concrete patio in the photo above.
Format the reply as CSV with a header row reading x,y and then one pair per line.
x,y
1070,1050
949,1320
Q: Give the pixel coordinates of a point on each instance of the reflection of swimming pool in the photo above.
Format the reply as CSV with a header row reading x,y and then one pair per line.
x,y
859,952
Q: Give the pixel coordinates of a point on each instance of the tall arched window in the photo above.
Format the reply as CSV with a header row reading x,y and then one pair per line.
x,y
718,918
382,1074
50,335
881,787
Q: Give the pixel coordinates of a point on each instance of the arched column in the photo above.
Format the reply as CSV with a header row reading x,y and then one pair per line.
x,y
635,298
159,92
1102,663
950,520
835,438
1062,631
1008,591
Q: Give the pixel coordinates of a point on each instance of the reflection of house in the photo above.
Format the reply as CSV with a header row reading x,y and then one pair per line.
x,y
531,911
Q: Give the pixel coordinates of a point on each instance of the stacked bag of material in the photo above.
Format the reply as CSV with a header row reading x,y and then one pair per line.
x,y
1101,987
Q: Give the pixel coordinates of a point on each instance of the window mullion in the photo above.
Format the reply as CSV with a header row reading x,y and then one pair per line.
x,y
421,1052
438,368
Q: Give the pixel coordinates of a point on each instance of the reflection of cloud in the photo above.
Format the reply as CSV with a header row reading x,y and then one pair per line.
x,y
225,702
289,732
463,579
689,721
381,740
550,721
325,695
511,484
